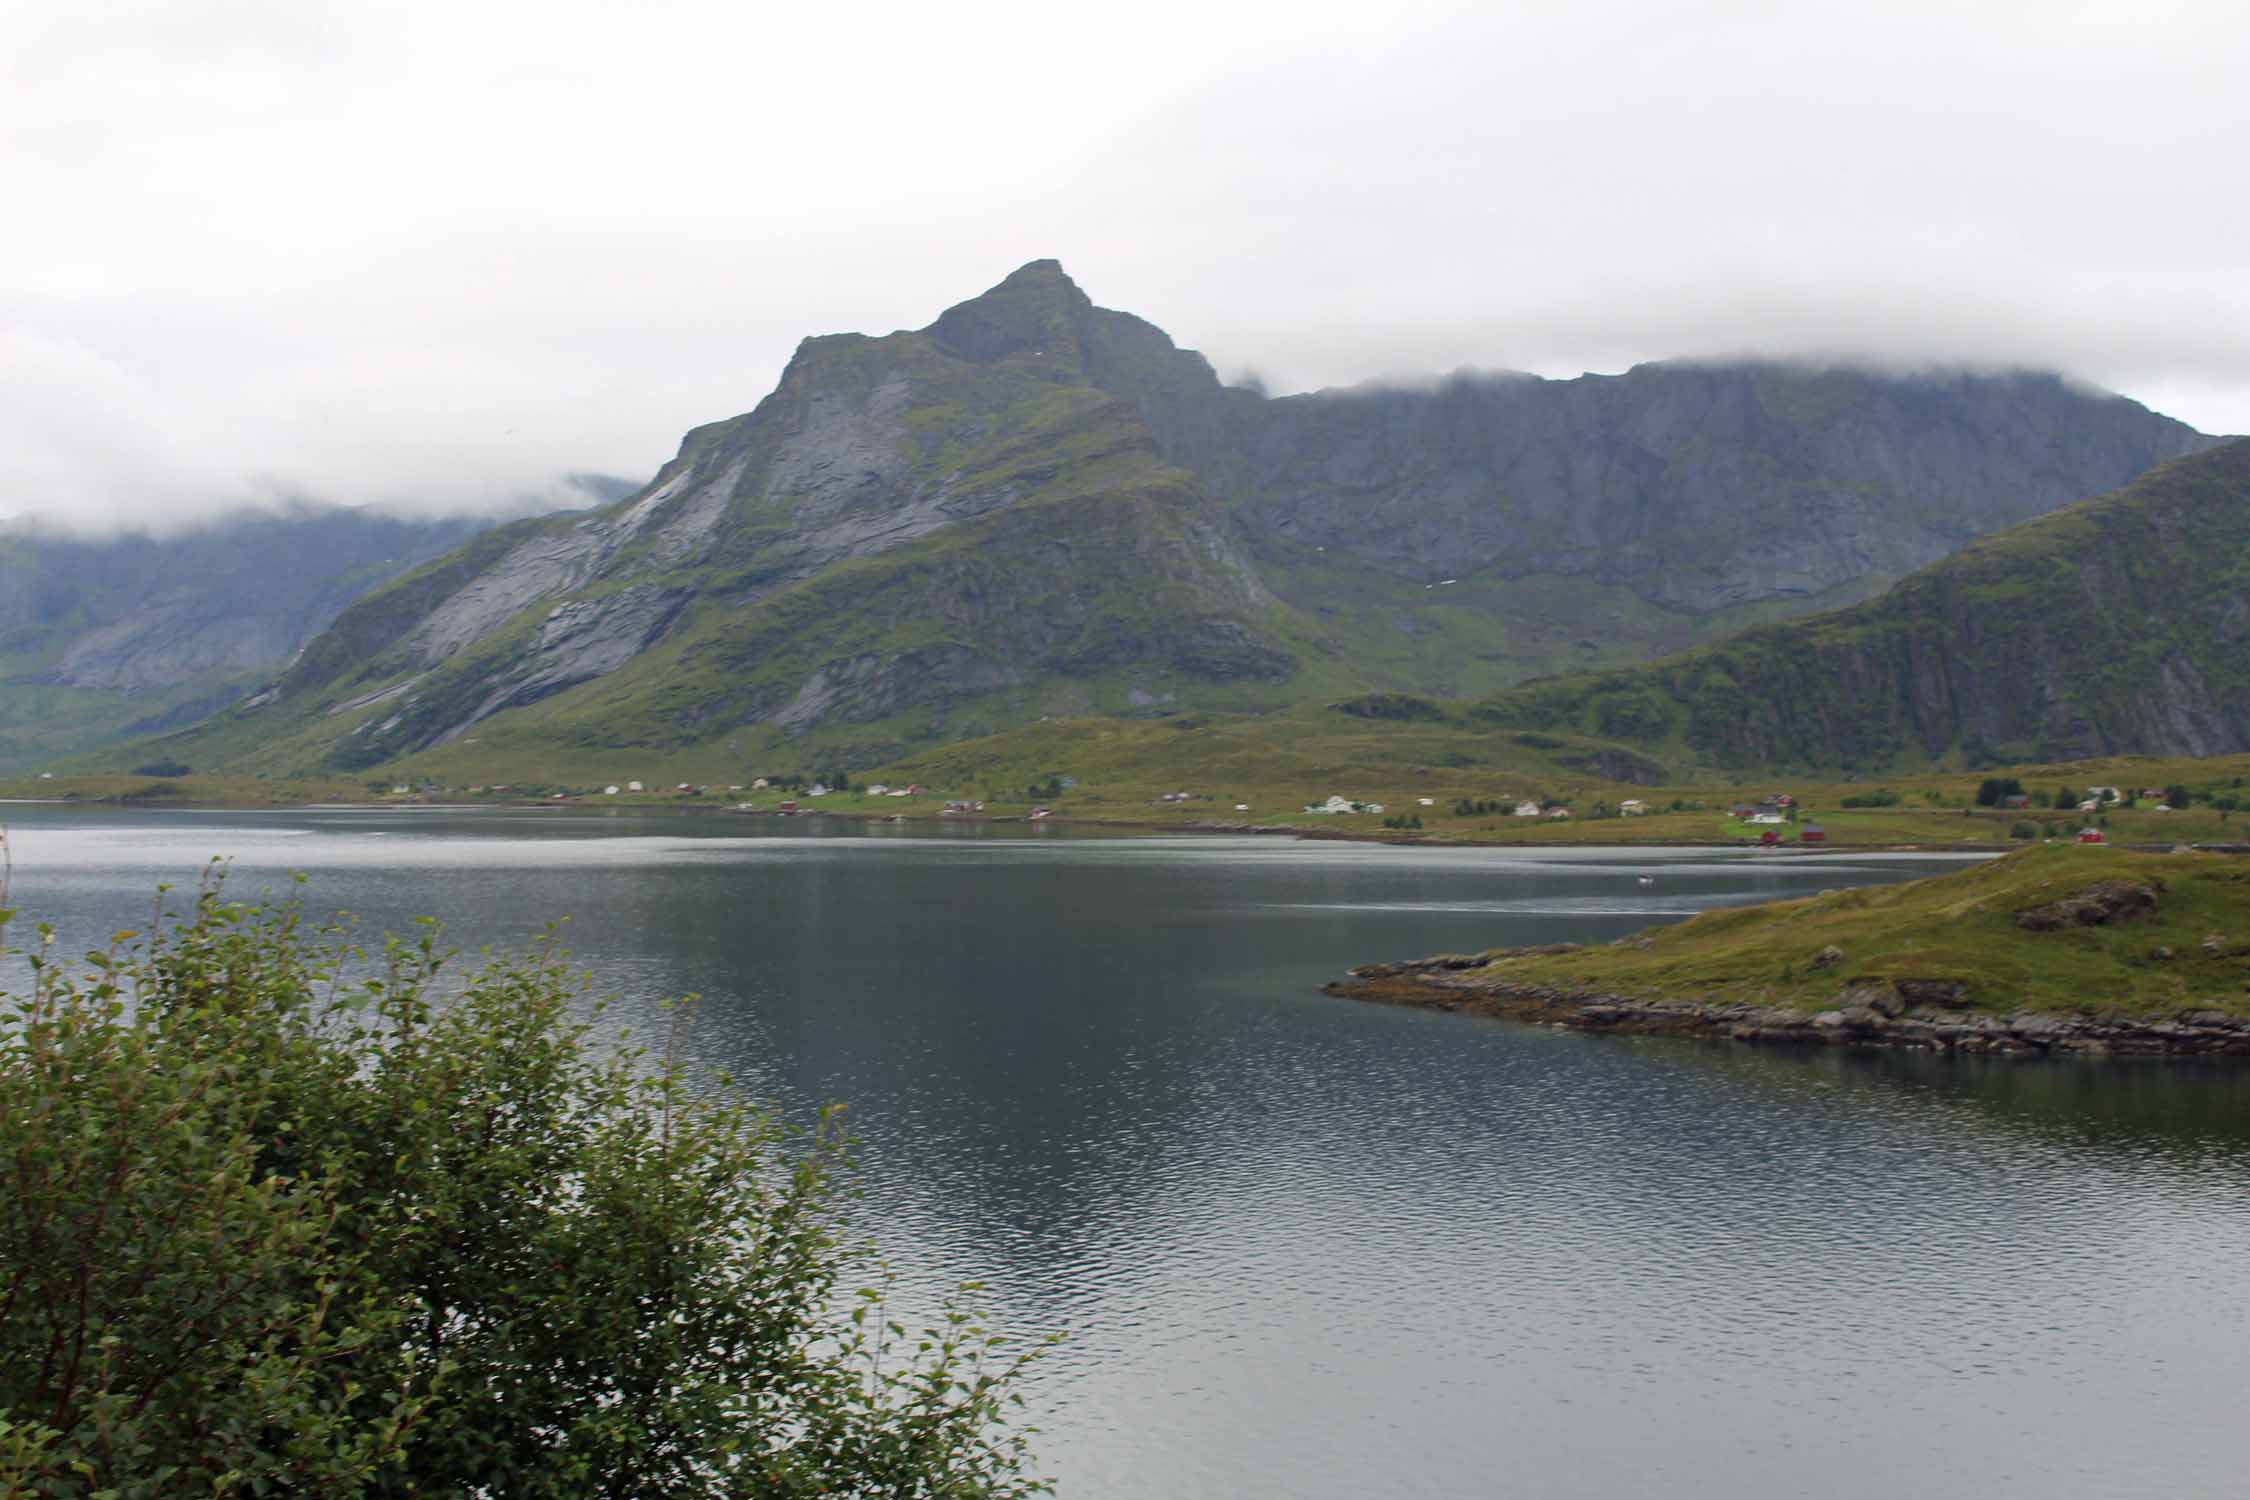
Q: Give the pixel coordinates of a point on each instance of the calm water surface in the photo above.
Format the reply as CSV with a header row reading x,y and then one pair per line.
x,y
1307,1247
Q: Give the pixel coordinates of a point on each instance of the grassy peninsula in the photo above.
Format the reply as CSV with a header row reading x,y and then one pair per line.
x,y
2062,947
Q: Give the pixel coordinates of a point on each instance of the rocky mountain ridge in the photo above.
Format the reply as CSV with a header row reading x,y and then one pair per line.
x,y
1699,487
1036,505
905,523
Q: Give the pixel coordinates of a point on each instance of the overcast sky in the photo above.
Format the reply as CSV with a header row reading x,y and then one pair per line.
x,y
435,255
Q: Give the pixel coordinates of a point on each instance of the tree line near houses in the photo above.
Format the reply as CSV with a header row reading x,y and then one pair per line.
x,y
2008,791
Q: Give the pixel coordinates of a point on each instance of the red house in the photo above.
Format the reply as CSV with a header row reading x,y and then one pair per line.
x,y
2091,836
1812,833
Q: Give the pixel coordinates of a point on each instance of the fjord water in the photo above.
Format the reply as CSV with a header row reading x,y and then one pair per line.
x,y
1308,1247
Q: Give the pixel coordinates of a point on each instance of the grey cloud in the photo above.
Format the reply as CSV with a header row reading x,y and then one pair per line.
x,y
431,256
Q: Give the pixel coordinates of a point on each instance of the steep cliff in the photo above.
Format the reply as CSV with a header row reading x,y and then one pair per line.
x,y
1698,487
2117,625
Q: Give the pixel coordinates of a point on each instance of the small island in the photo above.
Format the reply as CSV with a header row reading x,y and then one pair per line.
x,y
2055,949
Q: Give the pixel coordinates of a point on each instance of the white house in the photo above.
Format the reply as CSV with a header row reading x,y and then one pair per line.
x,y
1333,805
1558,812
634,786
1426,801
1768,815
1632,807
609,791
1527,809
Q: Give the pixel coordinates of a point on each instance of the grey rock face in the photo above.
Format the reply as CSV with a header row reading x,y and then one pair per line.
x,y
1700,487
581,640
175,638
2111,901
536,569
869,687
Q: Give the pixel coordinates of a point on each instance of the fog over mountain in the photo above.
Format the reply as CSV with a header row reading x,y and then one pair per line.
x,y
430,257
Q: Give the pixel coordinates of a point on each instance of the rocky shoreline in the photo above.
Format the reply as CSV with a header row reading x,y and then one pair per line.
x,y
1907,1013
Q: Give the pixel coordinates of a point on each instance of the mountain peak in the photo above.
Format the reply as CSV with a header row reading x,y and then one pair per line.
x,y
1047,272
1037,309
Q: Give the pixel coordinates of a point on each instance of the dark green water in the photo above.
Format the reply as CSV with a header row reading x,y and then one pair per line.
x,y
1311,1248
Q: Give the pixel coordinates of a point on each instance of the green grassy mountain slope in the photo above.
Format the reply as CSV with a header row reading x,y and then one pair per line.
x,y
2118,625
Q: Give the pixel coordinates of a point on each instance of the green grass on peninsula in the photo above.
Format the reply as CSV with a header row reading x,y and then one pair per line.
x,y
1959,928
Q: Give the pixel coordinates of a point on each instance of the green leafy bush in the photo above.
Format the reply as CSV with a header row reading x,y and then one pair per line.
x,y
1631,716
269,1230
1398,706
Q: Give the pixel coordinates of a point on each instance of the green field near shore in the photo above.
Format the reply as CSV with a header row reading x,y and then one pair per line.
x,y
1262,770
2056,928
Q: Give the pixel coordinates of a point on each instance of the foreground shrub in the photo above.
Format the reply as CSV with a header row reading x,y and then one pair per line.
x,y
266,1230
